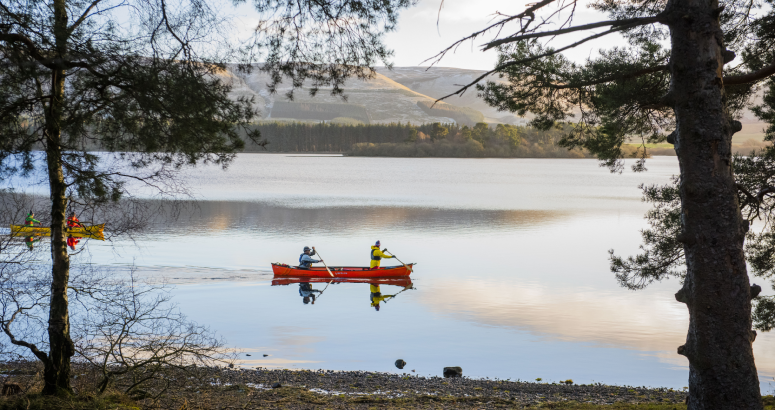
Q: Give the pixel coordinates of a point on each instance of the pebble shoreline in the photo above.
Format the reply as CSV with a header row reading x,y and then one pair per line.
x,y
390,385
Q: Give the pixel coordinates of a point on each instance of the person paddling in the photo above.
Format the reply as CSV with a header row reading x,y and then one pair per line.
x,y
30,221
305,259
73,222
377,255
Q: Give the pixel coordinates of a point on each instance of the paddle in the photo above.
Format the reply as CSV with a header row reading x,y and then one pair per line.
x,y
391,254
321,292
324,262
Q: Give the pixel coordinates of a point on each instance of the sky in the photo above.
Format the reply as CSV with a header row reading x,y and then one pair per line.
x,y
418,37
459,18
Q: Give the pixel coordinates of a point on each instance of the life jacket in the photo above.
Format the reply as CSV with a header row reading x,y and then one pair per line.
x,y
375,257
304,264
73,222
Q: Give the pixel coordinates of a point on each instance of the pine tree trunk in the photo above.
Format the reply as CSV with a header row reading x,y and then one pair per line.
x,y
722,372
57,370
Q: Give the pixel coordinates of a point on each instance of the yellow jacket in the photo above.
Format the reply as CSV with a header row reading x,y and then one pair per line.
x,y
376,256
377,296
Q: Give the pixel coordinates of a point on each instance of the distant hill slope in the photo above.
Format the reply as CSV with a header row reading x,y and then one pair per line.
x,y
437,82
403,94
380,100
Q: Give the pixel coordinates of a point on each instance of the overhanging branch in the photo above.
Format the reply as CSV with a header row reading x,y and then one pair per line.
x,y
28,44
750,77
613,77
614,23
527,60
527,13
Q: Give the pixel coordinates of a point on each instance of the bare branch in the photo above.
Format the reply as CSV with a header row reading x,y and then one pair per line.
x,y
83,17
614,23
527,13
527,60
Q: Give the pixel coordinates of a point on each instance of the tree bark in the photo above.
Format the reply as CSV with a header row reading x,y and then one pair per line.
x,y
722,372
57,369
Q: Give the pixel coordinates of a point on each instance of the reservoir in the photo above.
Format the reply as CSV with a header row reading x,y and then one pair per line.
x,y
512,278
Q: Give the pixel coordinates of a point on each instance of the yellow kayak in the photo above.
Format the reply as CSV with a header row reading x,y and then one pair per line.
x,y
93,232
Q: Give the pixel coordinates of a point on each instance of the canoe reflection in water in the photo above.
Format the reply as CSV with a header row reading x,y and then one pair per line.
x,y
310,295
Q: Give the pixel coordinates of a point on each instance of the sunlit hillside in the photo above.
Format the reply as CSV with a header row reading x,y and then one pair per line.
x,y
379,100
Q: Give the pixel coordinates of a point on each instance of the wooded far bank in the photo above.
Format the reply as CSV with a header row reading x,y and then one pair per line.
x,y
436,140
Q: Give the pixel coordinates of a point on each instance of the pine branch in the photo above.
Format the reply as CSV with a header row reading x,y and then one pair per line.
x,y
527,13
28,44
527,60
751,77
614,23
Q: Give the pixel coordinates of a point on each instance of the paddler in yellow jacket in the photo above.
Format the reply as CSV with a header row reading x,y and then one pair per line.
x,y
377,255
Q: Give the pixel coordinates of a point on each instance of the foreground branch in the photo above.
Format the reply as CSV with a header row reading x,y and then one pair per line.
x,y
750,77
614,23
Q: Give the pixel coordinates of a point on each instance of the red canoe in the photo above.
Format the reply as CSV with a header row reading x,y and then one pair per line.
x,y
397,281
281,269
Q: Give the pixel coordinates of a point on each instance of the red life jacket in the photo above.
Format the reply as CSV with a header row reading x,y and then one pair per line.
x,y
73,222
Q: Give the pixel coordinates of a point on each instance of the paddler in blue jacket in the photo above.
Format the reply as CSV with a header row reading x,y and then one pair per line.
x,y
377,255
305,259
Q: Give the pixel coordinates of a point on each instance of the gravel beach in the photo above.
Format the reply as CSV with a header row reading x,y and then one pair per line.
x,y
391,386
192,388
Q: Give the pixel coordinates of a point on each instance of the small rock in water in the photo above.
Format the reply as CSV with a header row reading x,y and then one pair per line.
x,y
277,385
453,372
266,355
247,354
231,365
412,370
400,363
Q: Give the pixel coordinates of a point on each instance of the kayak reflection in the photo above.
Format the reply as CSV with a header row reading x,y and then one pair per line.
x,y
310,294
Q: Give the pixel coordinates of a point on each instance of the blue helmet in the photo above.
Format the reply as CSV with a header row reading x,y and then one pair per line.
x,y
376,244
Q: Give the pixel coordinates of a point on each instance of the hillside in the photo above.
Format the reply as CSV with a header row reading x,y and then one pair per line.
x,y
437,82
380,100
403,94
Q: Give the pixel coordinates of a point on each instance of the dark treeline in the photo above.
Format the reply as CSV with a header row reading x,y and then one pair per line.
x,y
408,140
479,141
327,137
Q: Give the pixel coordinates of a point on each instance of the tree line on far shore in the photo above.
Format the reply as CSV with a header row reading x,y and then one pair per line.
x,y
409,140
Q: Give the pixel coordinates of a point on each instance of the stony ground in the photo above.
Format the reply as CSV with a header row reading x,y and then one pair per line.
x,y
226,388
376,387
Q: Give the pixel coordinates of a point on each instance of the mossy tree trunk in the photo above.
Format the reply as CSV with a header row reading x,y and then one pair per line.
x,y
722,372
57,368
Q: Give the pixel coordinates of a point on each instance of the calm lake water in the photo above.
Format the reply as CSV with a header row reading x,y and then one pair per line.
x,y
512,277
